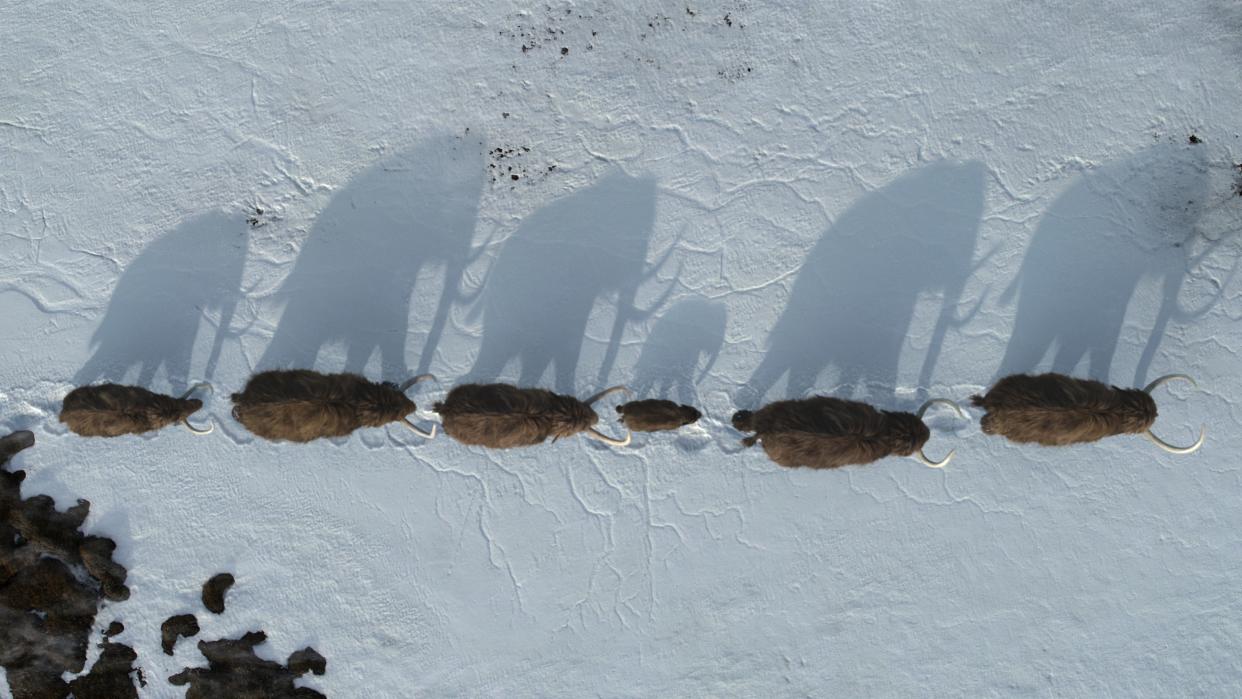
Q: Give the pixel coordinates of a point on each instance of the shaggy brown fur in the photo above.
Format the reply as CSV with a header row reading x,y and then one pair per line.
x,y
111,410
823,432
656,415
500,416
1055,410
300,405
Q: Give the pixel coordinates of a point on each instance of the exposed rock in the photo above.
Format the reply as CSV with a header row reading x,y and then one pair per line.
x,y
235,672
213,592
174,627
110,676
307,660
52,580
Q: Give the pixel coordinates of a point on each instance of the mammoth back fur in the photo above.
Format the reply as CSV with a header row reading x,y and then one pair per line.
x,y
301,405
500,416
1056,410
656,415
111,410
825,432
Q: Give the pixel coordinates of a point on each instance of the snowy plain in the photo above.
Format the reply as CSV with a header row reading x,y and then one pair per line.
x,y
723,203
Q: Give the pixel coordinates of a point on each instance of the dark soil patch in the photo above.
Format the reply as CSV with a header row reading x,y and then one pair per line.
x,y
235,672
213,592
53,579
175,627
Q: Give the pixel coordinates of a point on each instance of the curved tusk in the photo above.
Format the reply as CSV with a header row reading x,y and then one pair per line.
x,y
921,457
418,431
942,401
208,430
417,379
1175,449
210,426
594,434
1160,442
606,392
1167,378
195,387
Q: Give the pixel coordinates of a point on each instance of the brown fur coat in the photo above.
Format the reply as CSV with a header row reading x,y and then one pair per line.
x,y
111,410
1055,410
656,415
300,405
823,432
500,416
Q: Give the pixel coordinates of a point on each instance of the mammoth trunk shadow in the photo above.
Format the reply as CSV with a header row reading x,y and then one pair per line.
x,y
551,272
354,277
854,298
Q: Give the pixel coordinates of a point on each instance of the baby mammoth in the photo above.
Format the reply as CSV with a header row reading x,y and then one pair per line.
x,y
299,405
824,432
111,410
500,416
1056,410
656,415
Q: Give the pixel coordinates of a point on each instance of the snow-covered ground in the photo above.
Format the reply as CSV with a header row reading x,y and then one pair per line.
x,y
881,200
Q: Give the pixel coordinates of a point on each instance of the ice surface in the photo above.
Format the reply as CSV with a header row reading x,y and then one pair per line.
x,y
723,203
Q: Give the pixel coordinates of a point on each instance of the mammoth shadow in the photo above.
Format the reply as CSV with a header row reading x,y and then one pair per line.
x,y
690,332
541,289
355,275
154,314
1112,229
853,301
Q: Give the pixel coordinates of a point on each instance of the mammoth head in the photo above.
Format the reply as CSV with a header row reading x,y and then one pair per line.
x,y
744,421
907,433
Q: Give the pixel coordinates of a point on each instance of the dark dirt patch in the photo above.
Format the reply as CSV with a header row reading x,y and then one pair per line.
x,y
1194,140
235,671
174,628
111,677
53,579
307,660
508,163
213,592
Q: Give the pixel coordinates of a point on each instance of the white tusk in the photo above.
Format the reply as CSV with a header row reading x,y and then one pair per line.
x,y
195,387
418,431
942,401
210,427
921,457
594,434
1178,450
607,391
1160,442
1167,378
417,379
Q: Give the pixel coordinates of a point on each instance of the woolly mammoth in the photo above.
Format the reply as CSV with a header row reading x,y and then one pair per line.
x,y
1056,410
825,432
500,416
